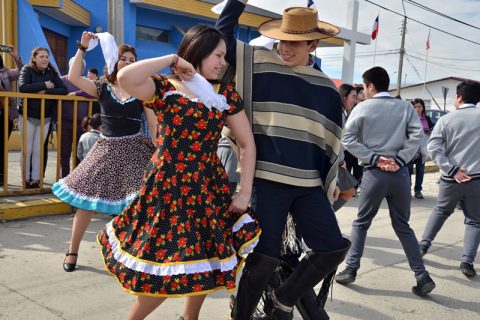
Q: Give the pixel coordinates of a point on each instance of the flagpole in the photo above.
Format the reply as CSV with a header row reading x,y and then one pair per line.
x,y
376,40
426,64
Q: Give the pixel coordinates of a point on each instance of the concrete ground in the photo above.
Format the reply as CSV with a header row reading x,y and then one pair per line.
x,y
34,286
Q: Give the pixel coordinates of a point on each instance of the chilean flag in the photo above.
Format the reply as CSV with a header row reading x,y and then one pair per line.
x,y
375,29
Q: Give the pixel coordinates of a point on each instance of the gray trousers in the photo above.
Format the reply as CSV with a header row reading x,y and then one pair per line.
x,y
448,197
395,187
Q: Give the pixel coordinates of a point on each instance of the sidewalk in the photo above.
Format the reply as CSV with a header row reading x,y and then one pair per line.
x,y
34,286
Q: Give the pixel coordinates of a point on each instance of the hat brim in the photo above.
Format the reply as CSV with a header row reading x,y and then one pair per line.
x,y
272,29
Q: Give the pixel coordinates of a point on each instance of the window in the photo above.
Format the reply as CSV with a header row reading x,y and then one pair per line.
x,y
146,33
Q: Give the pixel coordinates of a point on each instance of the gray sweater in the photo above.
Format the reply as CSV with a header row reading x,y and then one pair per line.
x,y
455,142
383,126
86,142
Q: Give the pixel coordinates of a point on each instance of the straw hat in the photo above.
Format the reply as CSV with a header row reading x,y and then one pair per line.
x,y
298,24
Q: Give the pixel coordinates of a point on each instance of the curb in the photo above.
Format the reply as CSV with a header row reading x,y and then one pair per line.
x,y
46,206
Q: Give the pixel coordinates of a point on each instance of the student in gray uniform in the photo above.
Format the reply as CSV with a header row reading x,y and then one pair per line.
x,y
384,133
454,148
93,128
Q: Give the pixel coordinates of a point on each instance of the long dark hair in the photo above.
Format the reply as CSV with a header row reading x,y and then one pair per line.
x,y
345,90
35,52
198,43
112,78
1,62
422,103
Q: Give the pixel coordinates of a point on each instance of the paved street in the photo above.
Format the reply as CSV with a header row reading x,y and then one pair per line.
x,y
34,286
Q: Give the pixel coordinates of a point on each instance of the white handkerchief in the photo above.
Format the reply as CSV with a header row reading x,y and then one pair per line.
x,y
263,41
109,49
202,89
219,7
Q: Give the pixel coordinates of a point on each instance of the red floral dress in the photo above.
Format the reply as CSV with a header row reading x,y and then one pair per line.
x,y
177,238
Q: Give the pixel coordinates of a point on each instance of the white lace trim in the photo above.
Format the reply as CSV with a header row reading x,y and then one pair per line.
x,y
241,222
167,270
205,93
172,92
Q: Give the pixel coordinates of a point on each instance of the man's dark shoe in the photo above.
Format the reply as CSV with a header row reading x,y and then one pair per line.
x,y
423,246
419,195
346,276
424,286
467,269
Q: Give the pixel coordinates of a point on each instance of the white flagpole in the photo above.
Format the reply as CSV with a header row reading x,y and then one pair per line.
x,y
426,65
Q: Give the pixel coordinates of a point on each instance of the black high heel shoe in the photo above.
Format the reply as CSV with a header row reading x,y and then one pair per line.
x,y
69,267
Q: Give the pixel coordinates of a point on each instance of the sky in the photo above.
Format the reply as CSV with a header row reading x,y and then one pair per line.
x,y
448,56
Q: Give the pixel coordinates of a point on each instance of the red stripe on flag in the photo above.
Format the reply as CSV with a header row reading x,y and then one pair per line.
x,y
375,29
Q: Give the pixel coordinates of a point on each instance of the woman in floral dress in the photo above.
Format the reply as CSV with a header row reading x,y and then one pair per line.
x,y
183,235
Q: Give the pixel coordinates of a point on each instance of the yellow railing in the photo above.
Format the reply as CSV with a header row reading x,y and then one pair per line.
x,y
4,97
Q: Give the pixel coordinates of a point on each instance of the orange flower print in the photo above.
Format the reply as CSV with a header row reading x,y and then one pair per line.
x,y
160,254
197,287
177,120
182,242
201,124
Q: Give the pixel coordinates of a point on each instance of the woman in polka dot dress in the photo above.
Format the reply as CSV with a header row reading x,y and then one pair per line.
x,y
184,235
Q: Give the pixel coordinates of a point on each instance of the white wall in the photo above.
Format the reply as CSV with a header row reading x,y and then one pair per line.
x,y
435,88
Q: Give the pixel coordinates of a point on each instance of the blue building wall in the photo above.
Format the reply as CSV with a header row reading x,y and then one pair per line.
x,y
31,34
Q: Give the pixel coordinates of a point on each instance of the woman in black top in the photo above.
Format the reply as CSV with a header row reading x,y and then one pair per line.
x,y
111,174
39,76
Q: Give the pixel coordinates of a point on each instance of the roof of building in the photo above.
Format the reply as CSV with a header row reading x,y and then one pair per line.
x,y
436,80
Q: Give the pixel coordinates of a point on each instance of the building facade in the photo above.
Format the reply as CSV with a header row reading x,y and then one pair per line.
x,y
432,93
153,27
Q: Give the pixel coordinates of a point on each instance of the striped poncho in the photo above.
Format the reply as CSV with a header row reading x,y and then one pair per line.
x,y
296,117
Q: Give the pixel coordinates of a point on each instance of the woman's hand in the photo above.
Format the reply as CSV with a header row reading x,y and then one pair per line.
x,y
49,84
184,69
86,37
239,203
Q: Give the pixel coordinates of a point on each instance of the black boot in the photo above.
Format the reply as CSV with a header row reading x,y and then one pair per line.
x,y
256,272
312,269
309,309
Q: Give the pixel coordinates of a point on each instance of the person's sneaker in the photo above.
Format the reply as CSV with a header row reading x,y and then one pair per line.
x,y
346,276
424,286
467,269
423,246
419,195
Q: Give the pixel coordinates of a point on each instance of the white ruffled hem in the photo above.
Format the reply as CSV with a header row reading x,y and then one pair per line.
x,y
186,268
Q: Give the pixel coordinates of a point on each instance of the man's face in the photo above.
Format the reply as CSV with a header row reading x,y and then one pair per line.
x,y
296,53
458,101
369,90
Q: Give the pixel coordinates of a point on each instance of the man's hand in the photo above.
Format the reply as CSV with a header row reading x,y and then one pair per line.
x,y
336,193
460,176
387,164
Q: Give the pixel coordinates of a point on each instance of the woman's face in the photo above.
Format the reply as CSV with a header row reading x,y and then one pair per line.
x,y
41,59
125,59
212,66
350,100
360,97
419,108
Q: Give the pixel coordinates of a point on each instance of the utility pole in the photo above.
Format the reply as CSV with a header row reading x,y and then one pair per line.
x,y
402,51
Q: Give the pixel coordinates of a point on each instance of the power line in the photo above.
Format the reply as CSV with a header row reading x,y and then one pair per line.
x,y
450,66
422,23
444,58
421,6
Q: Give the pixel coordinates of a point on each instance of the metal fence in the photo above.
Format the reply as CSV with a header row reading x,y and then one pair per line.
x,y
4,97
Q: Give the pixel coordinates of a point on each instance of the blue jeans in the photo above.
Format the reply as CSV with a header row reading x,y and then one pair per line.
x,y
419,172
